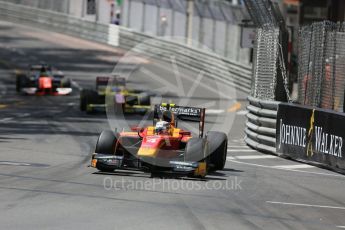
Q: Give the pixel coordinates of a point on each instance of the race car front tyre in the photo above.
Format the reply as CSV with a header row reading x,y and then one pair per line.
x,y
87,97
66,83
83,105
218,146
104,168
106,143
196,150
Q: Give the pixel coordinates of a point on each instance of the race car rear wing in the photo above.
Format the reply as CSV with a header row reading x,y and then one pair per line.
x,y
114,80
184,113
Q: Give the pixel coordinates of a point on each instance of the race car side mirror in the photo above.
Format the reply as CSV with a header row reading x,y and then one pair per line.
x,y
140,133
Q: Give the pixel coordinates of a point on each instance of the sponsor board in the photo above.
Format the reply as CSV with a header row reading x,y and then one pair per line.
x,y
180,110
310,134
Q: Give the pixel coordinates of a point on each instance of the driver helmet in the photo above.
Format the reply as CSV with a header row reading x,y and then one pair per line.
x,y
168,116
43,71
162,127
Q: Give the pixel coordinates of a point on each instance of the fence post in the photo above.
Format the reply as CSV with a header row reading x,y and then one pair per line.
x,y
201,30
129,14
189,21
143,19
97,10
68,5
214,30
226,45
158,32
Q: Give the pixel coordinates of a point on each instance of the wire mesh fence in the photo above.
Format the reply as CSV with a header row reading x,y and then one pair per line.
x,y
269,63
265,64
264,12
321,73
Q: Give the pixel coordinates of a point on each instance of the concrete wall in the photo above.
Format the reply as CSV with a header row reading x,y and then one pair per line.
x,y
147,19
212,33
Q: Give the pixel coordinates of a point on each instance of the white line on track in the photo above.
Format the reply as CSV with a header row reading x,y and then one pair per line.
x,y
340,226
32,58
291,170
254,157
241,150
299,166
6,119
24,115
21,52
306,205
13,163
237,146
76,85
242,112
214,111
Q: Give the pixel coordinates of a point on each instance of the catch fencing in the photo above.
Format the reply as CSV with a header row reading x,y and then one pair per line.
x,y
321,72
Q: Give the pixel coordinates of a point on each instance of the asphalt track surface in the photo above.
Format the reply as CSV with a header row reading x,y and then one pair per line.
x,y
46,144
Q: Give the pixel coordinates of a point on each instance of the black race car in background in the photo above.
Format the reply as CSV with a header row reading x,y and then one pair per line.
x,y
43,79
125,100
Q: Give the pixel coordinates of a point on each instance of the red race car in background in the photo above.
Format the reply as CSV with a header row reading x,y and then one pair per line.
x,y
163,147
43,79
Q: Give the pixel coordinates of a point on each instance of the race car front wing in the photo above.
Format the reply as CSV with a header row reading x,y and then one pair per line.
x,y
198,169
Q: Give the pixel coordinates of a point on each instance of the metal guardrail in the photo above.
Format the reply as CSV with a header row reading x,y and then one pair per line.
x,y
226,71
261,125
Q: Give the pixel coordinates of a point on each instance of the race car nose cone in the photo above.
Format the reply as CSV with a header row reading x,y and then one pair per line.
x,y
147,152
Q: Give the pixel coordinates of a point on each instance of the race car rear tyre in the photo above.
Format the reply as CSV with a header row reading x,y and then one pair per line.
x,y
83,94
218,146
106,143
20,82
89,97
196,150
145,100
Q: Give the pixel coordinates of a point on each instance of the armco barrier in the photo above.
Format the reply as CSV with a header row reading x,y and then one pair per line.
x,y
311,135
226,71
261,125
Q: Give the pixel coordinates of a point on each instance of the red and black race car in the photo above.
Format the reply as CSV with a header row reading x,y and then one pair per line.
x,y
43,79
163,147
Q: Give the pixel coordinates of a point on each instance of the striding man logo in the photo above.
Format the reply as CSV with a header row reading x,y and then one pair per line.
x,y
310,152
